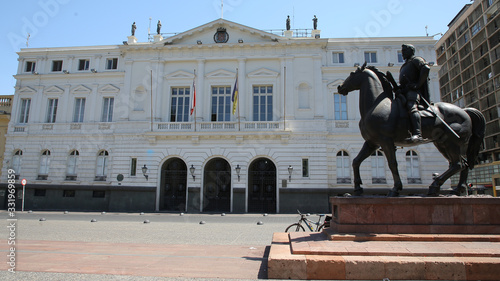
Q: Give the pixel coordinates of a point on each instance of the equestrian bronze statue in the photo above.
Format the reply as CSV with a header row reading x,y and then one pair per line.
x,y
386,123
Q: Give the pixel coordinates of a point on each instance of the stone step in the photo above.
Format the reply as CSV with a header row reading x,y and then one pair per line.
x,y
314,256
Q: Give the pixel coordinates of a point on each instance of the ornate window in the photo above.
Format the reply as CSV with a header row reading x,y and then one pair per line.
x,y
72,163
43,171
343,167
262,103
413,167
221,104
340,102
51,111
102,166
79,110
25,111
371,57
107,110
179,109
16,162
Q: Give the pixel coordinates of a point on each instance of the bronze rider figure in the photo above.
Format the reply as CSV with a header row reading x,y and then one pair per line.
x,y
413,76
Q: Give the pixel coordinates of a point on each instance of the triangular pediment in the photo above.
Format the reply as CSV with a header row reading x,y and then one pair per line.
x,y
109,89
263,73
81,90
27,90
333,85
206,35
180,75
53,90
221,73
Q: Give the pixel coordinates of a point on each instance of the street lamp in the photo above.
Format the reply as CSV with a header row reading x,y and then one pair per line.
x,y
144,171
238,170
290,170
191,170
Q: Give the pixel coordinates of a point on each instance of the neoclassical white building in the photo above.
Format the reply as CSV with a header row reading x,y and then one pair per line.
x,y
111,128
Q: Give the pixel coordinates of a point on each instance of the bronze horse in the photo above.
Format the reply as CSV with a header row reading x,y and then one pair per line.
x,y
384,124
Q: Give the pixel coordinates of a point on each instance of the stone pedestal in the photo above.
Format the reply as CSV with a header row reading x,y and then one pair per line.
x,y
132,39
158,38
288,33
315,33
438,215
408,238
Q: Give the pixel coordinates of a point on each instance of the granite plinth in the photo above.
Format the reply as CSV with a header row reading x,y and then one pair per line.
x,y
432,215
309,256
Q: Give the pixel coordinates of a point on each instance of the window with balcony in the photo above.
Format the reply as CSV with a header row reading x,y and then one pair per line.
x,y
179,106
221,104
51,111
79,110
107,110
262,103
25,111
340,106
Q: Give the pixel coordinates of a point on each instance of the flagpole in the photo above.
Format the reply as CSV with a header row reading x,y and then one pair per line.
x,y
238,101
194,97
284,100
151,100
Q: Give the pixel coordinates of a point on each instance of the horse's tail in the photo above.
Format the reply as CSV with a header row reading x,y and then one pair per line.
x,y
476,139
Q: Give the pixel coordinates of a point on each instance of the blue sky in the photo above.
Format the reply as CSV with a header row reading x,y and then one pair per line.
x,y
58,23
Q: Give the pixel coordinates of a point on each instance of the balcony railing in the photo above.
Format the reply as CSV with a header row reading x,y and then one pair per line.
x,y
218,126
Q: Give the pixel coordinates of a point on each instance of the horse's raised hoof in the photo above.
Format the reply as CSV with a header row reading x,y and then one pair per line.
x,y
358,191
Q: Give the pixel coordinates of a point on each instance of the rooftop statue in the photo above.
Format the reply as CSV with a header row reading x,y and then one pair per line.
x,y
158,27
134,27
408,119
315,22
288,23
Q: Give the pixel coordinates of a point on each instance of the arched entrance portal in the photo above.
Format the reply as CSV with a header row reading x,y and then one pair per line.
x,y
262,186
217,186
173,185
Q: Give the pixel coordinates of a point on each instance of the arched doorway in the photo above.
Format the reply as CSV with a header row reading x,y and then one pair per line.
x,y
262,186
217,186
173,185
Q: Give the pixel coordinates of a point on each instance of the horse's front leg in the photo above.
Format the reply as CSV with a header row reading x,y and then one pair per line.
x,y
365,152
390,155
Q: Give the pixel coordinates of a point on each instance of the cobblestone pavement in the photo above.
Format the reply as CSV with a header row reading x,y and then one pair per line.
x,y
235,240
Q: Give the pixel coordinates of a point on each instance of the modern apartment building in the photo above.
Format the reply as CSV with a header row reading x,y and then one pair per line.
x,y
469,57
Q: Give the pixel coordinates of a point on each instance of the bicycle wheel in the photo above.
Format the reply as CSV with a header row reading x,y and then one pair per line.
x,y
295,227
321,227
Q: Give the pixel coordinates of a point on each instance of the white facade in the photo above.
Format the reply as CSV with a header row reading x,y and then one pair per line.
x,y
286,114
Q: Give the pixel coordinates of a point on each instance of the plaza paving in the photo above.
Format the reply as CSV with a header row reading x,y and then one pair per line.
x,y
123,247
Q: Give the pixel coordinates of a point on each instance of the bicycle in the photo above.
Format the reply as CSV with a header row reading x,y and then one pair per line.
x,y
309,223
